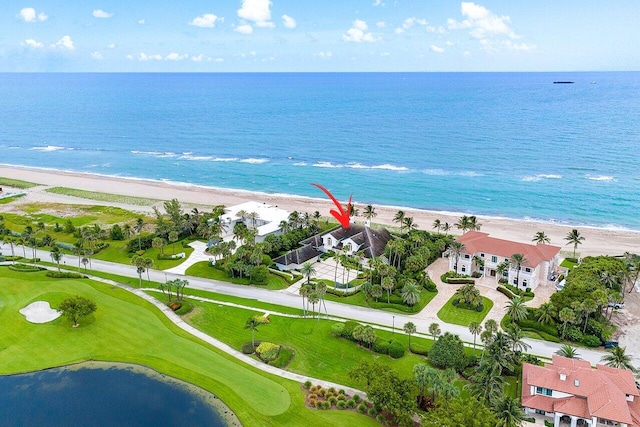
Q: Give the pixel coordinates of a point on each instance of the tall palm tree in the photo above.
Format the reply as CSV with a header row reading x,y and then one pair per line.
x,y
463,224
252,324
588,306
491,325
446,227
399,218
566,316
409,329
304,292
574,238
476,329
313,299
56,256
408,222
618,358
545,313
388,284
500,269
473,223
541,238
516,309
321,290
138,228
434,330
508,412
455,250
566,350
139,262
148,265
437,224
369,212
307,271
410,293
253,216
516,261
515,337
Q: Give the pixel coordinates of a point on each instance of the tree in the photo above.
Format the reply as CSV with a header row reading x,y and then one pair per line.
x,y
516,309
410,293
437,225
408,222
476,329
369,212
546,313
541,238
463,224
516,261
470,295
448,352
399,218
566,350
313,298
455,250
173,238
376,291
304,292
618,358
588,306
491,325
139,262
508,412
76,308
446,227
500,269
461,411
159,242
566,315
388,284
147,264
409,329
574,238
56,256
434,330
515,337
308,270
252,323
138,228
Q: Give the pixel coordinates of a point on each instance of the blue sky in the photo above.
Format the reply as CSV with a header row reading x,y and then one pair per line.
x,y
318,35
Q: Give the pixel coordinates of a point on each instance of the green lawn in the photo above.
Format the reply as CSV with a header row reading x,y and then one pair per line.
x,y
117,252
127,329
568,263
103,197
360,300
460,316
202,269
7,200
16,183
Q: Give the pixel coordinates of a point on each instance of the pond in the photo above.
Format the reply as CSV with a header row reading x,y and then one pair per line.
x,y
100,394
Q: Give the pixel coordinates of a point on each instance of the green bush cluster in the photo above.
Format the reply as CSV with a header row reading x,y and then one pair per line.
x,y
456,303
268,351
591,341
26,268
506,291
64,275
249,348
460,281
520,292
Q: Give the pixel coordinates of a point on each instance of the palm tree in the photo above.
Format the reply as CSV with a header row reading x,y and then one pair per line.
x,y
369,213
566,315
376,291
408,222
574,238
399,218
434,330
588,306
139,262
541,238
173,238
410,293
515,337
516,309
321,290
388,284
147,264
508,412
253,216
138,228
313,299
437,224
252,323
446,227
308,270
463,224
618,358
500,269
56,256
304,292
473,223
455,250
516,262
491,326
545,313
566,350
409,329
475,328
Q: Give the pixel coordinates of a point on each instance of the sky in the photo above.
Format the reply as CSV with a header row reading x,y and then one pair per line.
x,y
318,35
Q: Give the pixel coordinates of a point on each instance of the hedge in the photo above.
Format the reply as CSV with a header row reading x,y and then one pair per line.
x,y
537,326
65,275
506,291
25,268
460,281
341,293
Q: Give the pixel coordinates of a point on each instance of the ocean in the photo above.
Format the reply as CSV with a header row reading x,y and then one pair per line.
x,y
511,145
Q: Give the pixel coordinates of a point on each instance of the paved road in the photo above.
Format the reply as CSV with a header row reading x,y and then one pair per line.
x,y
363,314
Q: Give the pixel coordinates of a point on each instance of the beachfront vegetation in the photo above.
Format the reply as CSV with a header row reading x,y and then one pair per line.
x,y
574,238
130,330
103,197
16,183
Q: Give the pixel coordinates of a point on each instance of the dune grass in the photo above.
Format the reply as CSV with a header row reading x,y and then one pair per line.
x,y
202,269
128,329
17,183
103,197
461,316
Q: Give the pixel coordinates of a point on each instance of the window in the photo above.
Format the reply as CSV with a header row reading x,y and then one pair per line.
x,y
494,259
545,391
481,268
482,255
528,270
464,269
466,256
515,281
541,412
524,283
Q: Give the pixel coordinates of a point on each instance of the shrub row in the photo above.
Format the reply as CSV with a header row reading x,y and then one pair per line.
x,y
249,348
65,275
341,293
456,303
506,291
520,292
460,280
393,348
171,257
290,280
25,268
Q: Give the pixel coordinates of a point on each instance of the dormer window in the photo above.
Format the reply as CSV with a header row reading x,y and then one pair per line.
x,y
576,383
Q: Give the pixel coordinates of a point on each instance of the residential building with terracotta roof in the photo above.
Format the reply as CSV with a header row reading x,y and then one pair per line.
x,y
572,393
541,261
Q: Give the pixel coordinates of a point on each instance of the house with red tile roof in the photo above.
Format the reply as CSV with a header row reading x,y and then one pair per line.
x,y
572,393
483,254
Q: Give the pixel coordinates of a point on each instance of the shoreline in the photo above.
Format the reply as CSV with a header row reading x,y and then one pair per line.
x,y
598,240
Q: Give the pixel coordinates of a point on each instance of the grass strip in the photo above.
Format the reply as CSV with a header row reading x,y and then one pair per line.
x,y
17,183
103,197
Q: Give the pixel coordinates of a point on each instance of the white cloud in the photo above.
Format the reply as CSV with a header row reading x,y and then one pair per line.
x,y
112,46
408,23
96,55
518,46
378,3
324,55
32,43
244,29
176,56
436,30
436,49
64,43
256,11
357,33
144,57
28,14
381,24
219,59
208,20
289,22
385,54
142,22
99,13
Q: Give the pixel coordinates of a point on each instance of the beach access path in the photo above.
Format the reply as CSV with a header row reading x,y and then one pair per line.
x,y
362,314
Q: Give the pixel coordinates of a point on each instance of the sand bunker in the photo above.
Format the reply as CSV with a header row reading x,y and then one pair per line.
x,y
39,312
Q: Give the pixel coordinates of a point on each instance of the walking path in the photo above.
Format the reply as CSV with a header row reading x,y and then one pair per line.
x,y
197,255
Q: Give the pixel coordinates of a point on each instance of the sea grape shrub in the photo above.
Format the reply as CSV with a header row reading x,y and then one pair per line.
x,y
448,352
268,351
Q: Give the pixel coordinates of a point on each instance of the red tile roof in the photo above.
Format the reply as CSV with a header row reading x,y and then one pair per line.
x,y
475,241
599,392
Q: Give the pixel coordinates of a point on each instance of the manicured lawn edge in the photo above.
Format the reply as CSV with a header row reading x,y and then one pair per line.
x,y
460,316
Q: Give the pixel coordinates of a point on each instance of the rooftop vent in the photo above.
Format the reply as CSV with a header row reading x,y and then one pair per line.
x,y
576,383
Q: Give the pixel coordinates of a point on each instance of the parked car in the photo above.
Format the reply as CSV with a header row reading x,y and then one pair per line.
x,y
610,344
616,305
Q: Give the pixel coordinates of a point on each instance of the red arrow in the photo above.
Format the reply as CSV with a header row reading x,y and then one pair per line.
x,y
342,216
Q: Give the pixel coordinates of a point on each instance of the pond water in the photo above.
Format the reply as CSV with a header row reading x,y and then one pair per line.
x,y
103,395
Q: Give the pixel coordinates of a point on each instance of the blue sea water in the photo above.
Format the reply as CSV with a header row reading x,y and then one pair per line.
x,y
502,144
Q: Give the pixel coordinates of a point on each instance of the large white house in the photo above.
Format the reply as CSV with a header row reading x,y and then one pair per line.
x,y
266,221
483,254
571,393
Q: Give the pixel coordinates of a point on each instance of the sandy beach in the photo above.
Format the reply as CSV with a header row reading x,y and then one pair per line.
x,y
597,240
